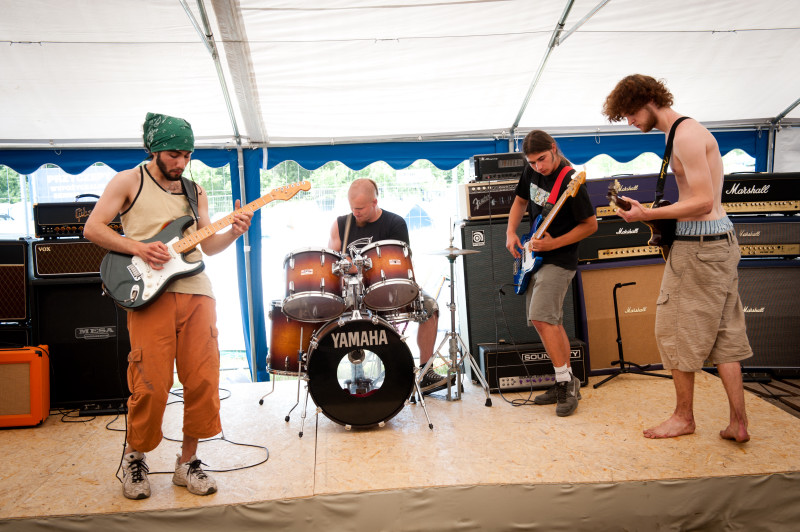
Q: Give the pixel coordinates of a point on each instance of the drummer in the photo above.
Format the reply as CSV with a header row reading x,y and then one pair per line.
x,y
369,223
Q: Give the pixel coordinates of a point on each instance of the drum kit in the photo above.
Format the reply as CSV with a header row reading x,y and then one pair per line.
x,y
338,330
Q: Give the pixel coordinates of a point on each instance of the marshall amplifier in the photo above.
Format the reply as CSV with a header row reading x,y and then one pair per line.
x,y
53,220
617,239
54,258
519,367
642,188
495,166
768,236
487,199
761,193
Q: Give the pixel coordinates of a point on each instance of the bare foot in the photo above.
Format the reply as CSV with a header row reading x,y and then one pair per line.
x,y
736,432
674,426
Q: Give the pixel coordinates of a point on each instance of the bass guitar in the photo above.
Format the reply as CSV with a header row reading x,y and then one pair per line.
x,y
132,283
529,261
662,231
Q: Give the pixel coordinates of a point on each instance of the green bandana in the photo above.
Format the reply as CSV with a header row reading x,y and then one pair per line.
x,y
163,133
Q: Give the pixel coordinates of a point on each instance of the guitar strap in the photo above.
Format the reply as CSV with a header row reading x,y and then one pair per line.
x,y
190,188
665,160
557,186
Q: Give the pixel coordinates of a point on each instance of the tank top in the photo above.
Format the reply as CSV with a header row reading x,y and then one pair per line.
x,y
152,209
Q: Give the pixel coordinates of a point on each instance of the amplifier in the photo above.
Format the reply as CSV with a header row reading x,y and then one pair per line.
x,y
493,166
768,236
14,304
642,188
65,219
487,199
24,386
53,258
761,193
617,239
514,367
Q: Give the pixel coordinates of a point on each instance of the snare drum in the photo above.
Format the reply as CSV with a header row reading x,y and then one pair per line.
x,y
289,341
389,283
360,371
313,290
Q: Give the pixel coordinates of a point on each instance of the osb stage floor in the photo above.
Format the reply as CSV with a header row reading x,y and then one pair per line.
x,y
480,468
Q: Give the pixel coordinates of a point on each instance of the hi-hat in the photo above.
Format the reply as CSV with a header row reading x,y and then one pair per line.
x,y
452,252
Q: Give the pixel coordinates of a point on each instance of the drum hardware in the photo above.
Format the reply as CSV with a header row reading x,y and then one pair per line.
x,y
455,363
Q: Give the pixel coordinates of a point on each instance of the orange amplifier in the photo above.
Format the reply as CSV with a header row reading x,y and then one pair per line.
x,y
24,386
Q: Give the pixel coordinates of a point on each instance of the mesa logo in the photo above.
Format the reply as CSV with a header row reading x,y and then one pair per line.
x,y
95,333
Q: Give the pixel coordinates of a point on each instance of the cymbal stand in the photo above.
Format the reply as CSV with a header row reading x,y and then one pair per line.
x,y
455,364
624,364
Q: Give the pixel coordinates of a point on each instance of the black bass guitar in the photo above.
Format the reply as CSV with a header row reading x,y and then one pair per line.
x,y
662,231
132,283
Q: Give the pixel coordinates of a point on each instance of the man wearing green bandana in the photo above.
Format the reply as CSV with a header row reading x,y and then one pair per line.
x,y
178,329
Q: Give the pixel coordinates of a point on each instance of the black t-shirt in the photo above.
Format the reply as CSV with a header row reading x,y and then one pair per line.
x,y
389,226
536,188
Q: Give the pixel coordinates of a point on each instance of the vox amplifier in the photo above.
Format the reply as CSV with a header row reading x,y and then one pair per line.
x,y
13,282
54,258
516,367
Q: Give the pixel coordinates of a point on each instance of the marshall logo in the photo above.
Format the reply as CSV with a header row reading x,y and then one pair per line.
x,y
359,339
629,188
82,213
623,231
635,310
95,333
754,310
749,233
736,188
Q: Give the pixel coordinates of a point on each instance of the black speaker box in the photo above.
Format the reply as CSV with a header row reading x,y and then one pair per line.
x,y
509,367
14,302
769,291
15,335
485,314
88,338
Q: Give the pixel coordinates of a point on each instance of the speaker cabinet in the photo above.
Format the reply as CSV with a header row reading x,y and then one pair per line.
x,y
88,339
13,283
769,291
15,335
485,314
637,310
24,386
52,258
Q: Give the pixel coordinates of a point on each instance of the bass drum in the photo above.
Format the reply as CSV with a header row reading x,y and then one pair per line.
x,y
360,371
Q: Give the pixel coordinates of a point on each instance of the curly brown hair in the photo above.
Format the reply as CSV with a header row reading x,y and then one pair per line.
x,y
634,92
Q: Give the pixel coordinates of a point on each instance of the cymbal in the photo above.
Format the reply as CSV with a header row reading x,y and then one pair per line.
x,y
454,252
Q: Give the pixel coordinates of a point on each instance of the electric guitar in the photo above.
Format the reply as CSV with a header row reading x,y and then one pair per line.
x,y
662,231
529,261
132,283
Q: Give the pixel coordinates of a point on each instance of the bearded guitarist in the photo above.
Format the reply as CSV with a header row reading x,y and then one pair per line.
x,y
179,328
699,312
558,247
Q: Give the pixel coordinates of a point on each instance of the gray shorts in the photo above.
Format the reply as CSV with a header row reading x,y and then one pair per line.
x,y
699,313
546,292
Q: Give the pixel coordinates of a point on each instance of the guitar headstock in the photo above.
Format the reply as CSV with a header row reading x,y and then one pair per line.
x,y
613,196
287,191
575,183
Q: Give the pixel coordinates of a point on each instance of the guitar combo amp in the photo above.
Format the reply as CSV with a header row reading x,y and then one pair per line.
x,y
520,367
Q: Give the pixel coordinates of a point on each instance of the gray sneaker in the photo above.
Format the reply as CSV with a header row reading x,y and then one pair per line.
x,y
135,484
549,396
567,396
193,477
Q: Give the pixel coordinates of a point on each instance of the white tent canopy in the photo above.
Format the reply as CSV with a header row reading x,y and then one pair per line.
x,y
85,72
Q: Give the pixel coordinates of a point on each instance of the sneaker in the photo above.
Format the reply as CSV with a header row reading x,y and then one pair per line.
x,y
432,382
549,396
134,476
193,477
567,396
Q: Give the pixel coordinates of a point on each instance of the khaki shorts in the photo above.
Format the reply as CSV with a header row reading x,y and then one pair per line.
x,y
699,314
544,298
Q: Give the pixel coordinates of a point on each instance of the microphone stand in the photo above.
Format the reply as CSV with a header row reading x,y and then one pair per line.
x,y
624,365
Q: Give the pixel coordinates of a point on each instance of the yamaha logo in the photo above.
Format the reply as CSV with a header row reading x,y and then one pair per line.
x,y
359,339
95,333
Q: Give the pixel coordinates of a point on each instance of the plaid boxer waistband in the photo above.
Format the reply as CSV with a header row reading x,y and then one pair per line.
x,y
701,238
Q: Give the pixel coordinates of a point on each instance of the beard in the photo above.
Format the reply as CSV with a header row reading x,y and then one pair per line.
x,y
648,125
163,168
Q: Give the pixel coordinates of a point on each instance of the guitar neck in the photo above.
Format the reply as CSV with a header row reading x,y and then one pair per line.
x,y
547,221
191,241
